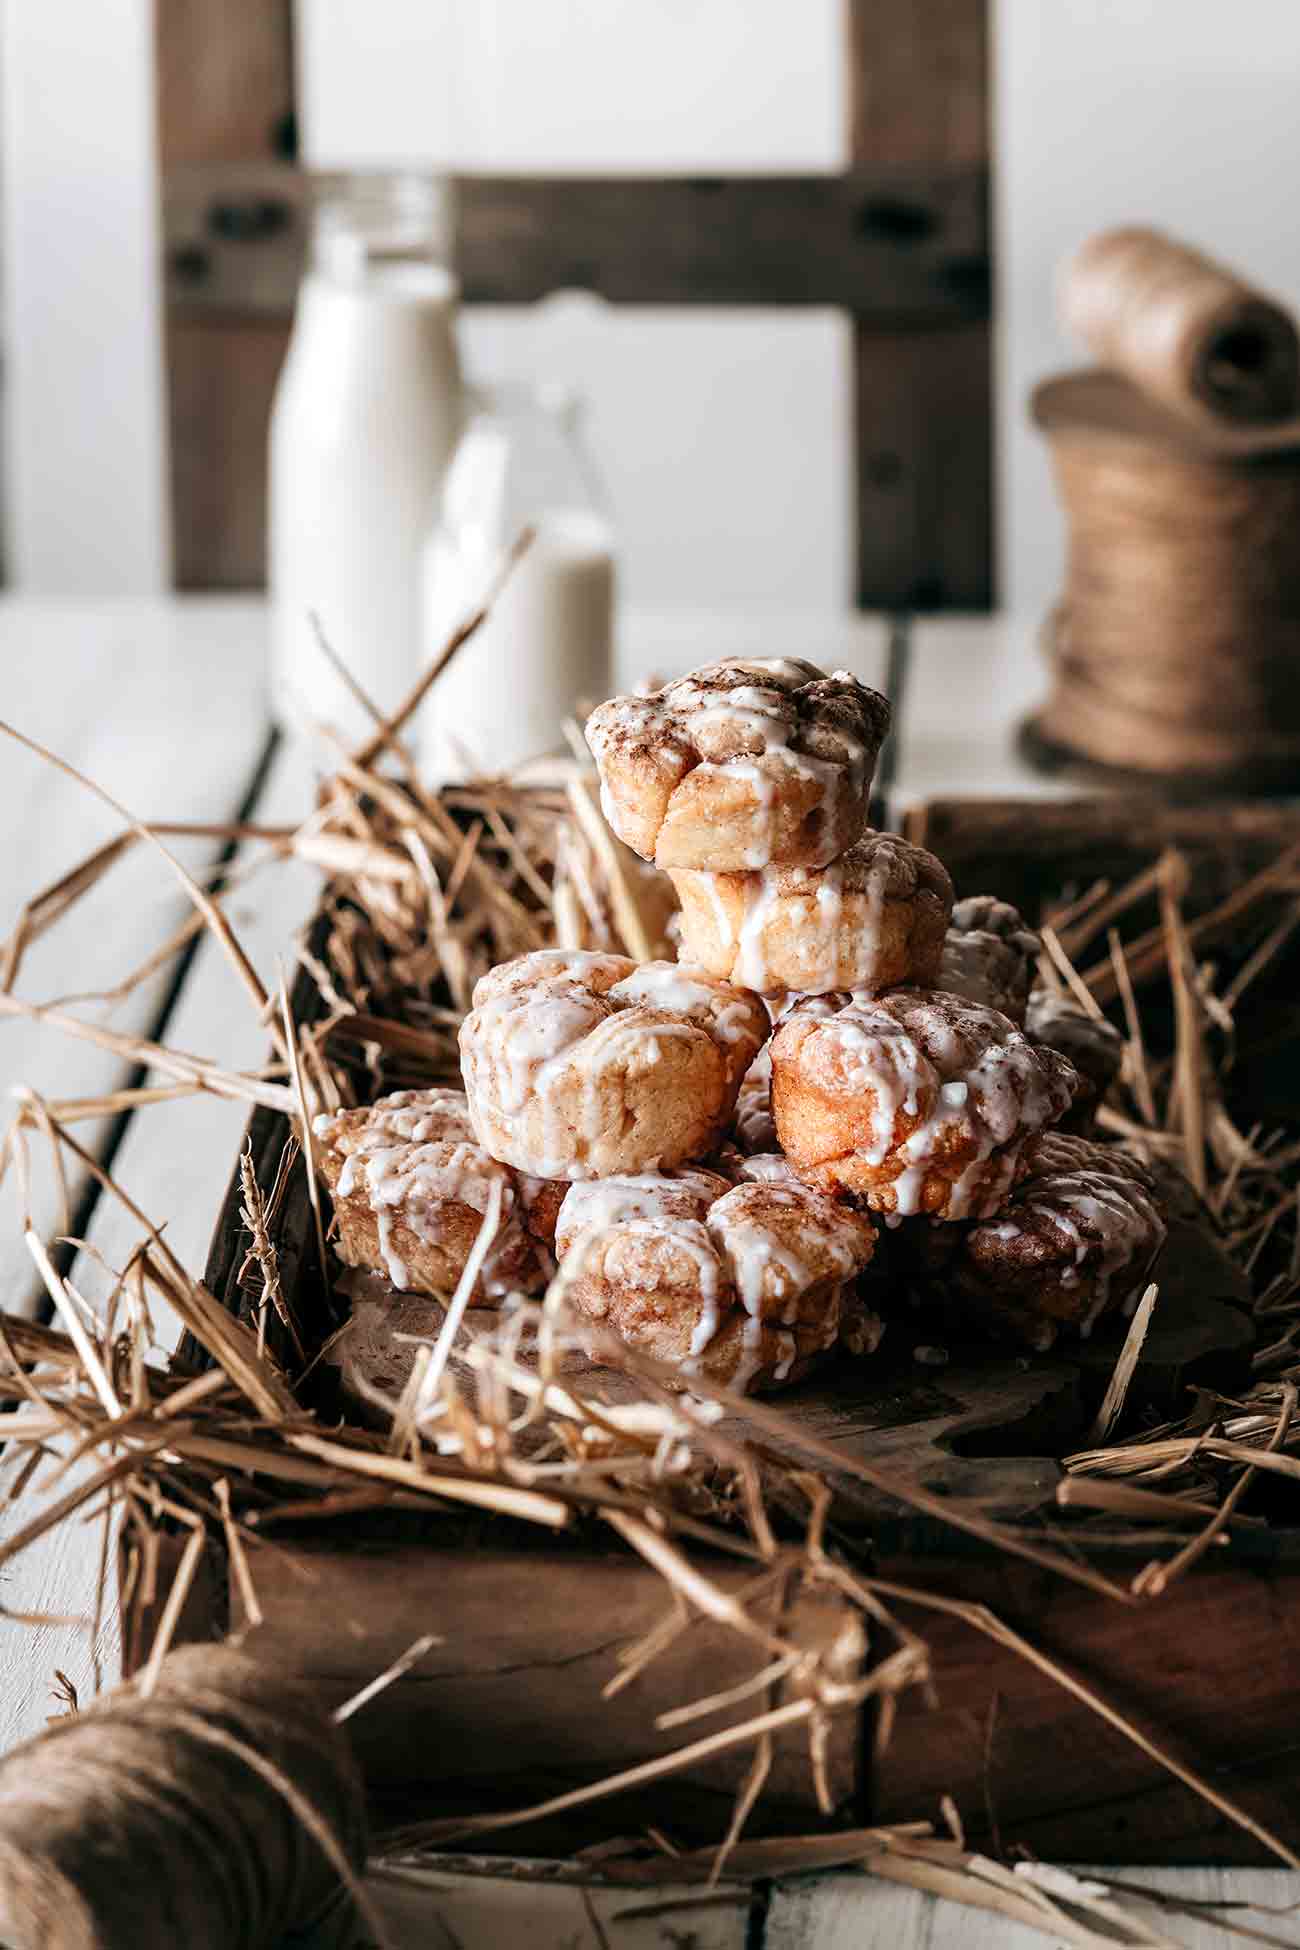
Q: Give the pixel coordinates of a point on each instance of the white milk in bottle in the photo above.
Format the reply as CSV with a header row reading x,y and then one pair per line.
x,y
546,647
365,418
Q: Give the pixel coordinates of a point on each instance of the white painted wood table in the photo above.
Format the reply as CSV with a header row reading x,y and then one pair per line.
x,y
162,705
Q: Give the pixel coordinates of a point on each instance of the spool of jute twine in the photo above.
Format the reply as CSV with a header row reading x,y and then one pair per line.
x,y
1175,648
222,1811
1183,329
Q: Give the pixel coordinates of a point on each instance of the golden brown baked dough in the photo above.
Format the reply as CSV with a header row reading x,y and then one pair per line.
x,y
1075,1242
580,1065
914,1101
746,763
411,1206
872,919
989,955
743,1284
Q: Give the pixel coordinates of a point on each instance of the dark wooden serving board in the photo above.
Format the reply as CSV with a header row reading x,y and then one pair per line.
x,y
510,1708
983,1426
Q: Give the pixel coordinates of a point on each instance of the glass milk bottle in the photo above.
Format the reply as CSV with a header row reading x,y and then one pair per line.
x,y
546,648
365,418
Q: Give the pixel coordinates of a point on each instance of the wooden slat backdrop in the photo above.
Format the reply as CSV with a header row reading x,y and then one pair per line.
x,y
900,241
225,95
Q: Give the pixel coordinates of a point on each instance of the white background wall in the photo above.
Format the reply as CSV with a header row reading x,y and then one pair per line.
x,y
713,427
84,422
1182,113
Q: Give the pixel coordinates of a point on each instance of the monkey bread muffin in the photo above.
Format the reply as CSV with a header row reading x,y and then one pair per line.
x,y
744,764
743,1284
872,919
1075,1241
584,1065
915,1101
411,1187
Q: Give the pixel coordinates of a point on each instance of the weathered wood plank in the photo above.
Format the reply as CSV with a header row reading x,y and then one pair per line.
x,y
174,1158
1208,1670
221,376
844,1912
924,461
509,1707
919,80
449,1906
225,93
131,696
224,79
918,97
891,241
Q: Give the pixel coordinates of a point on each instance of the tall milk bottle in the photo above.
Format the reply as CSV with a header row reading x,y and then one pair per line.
x,y
545,651
366,415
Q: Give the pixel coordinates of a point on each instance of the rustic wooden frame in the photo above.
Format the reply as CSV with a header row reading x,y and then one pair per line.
x,y
899,241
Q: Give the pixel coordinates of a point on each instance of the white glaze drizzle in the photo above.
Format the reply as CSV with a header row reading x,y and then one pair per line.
x,y
548,1029
411,1116
1102,1204
834,913
731,1234
413,1184
743,733
907,1050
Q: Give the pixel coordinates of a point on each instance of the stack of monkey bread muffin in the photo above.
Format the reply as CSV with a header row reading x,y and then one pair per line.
x,y
710,1148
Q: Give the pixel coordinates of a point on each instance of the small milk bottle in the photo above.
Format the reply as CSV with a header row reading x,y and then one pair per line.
x,y
545,650
365,418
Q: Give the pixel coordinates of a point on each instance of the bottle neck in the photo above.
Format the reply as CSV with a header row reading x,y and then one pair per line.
x,y
390,233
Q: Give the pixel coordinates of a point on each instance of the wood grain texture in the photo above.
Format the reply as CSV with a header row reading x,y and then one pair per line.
x,y
918,90
847,1912
118,692
481,1904
224,78
509,1707
1209,1670
221,377
988,842
886,241
924,467
172,1154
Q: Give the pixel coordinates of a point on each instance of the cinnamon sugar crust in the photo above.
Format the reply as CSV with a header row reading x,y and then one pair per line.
x,y
1074,1243
872,919
745,1284
744,764
411,1206
581,1065
916,1101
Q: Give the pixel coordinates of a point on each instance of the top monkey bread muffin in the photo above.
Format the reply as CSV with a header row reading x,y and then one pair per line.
x,y
747,763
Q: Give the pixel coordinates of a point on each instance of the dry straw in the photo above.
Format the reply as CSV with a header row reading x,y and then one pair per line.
x,y
422,894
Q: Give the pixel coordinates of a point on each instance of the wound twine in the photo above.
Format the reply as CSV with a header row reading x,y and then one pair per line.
x,y
1184,330
220,1811
1175,648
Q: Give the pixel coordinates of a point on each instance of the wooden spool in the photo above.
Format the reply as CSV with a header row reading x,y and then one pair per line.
x,y
1175,651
